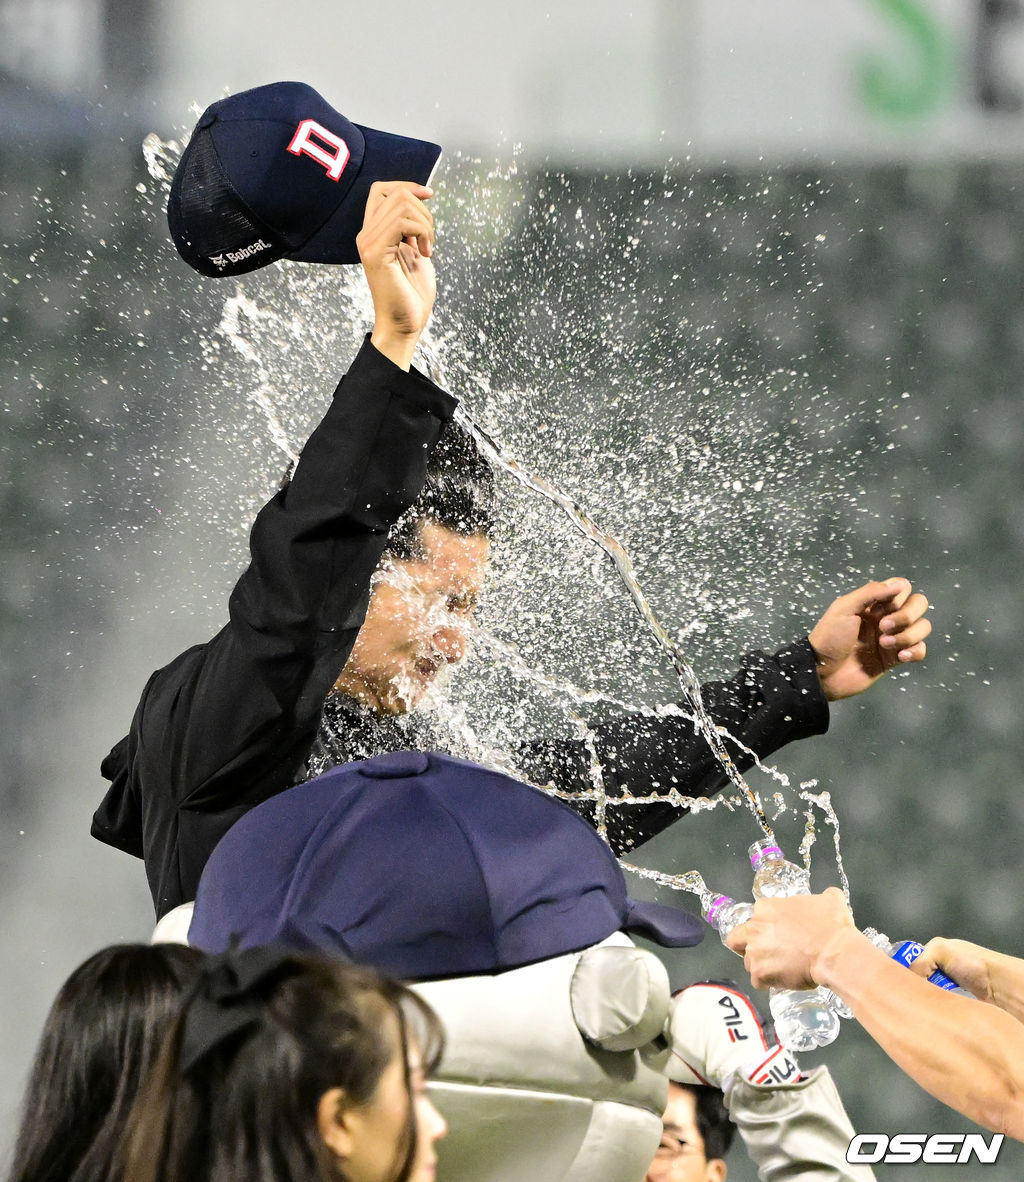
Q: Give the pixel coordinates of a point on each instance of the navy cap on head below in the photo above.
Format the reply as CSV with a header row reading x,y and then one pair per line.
x,y
424,866
276,172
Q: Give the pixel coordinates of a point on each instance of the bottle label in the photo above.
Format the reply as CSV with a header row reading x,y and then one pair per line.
x,y
907,952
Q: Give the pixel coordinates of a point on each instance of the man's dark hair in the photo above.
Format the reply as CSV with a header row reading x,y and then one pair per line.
x,y
459,493
713,1123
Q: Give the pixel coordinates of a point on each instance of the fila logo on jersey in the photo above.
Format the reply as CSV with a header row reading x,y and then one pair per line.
x,y
779,1068
326,148
734,1019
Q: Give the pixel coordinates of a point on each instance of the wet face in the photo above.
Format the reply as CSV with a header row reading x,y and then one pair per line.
x,y
680,1156
417,621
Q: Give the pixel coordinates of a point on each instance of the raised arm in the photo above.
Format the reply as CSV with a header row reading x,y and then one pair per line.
x,y
774,699
228,723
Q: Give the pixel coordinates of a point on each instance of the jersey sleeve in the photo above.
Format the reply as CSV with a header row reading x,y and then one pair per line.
x,y
774,699
226,724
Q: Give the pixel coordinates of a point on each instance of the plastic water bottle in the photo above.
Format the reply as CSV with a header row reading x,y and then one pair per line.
x,y
724,914
803,1018
774,877
906,952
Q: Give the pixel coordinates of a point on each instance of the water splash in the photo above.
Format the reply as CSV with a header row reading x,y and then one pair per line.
x,y
691,881
236,308
161,157
623,566
568,698
291,323
823,802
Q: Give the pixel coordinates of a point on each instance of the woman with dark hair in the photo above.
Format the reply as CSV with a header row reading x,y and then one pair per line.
x,y
289,1068
100,1039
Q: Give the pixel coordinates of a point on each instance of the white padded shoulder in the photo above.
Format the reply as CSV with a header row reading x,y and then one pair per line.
x,y
173,927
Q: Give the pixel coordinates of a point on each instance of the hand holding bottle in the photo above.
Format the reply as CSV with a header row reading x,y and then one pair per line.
x,y
804,1019
786,939
907,953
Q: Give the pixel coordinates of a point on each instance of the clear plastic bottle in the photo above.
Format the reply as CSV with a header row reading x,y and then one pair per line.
x,y
774,877
724,914
803,1018
777,878
906,952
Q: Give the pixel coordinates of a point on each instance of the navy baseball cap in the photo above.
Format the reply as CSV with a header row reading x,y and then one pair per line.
x,y
276,172
424,866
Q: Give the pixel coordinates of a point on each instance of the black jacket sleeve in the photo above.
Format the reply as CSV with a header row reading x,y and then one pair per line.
x,y
226,724
772,700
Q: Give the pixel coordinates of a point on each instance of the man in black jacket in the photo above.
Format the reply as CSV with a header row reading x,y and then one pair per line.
x,y
325,612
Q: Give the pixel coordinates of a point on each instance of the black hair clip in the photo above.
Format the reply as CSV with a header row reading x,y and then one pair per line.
x,y
225,999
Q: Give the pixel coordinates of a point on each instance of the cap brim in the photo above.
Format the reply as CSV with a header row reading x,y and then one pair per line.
x,y
670,927
387,158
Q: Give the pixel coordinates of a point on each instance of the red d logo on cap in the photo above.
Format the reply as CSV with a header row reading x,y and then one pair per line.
x,y
303,145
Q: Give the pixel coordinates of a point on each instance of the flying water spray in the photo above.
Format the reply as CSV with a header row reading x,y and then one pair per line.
x,y
623,565
285,321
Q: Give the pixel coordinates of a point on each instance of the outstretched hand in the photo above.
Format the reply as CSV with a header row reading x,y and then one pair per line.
x,y
968,964
865,633
395,245
784,939
995,977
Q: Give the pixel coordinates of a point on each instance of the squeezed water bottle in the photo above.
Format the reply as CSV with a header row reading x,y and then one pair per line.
x,y
906,952
724,914
774,877
804,1018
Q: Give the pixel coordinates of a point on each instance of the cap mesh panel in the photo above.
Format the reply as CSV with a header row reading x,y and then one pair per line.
x,y
212,218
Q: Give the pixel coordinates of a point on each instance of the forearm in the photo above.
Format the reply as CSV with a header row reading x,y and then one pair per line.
x,y
772,700
1006,982
796,1131
967,1054
316,544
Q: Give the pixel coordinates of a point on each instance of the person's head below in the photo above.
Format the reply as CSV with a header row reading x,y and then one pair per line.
x,y
428,583
101,1037
696,1135
290,1068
